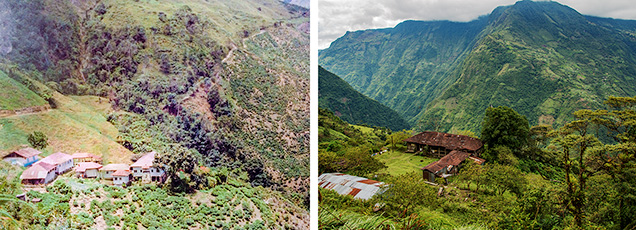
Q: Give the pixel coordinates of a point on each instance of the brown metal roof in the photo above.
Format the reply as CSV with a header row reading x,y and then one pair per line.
x,y
453,158
446,140
27,152
85,155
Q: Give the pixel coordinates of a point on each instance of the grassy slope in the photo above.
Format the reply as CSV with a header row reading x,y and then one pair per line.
x,y
16,96
244,15
399,162
77,125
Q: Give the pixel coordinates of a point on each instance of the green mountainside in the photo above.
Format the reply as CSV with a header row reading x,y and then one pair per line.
x,y
404,67
543,59
219,89
351,106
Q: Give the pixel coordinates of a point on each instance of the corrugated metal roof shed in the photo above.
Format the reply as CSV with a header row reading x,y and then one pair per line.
x,y
358,187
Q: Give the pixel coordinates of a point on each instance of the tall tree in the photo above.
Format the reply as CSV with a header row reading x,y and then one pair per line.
x,y
502,126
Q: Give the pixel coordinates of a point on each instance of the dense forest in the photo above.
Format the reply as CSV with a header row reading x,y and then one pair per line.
x,y
219,89
543,59
581,175
353,107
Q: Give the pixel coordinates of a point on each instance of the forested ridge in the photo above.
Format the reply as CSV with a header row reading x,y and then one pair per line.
x,y
542,59
353,107
219,89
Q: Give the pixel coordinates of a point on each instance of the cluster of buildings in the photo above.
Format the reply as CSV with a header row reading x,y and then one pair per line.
x,y
453,150
44,171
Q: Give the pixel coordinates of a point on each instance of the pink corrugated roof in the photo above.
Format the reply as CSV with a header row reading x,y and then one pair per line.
x,y
57,158
145,161
121,173
115,167
36,171
83,166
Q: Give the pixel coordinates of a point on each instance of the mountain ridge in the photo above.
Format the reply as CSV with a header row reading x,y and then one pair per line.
x,y
551,47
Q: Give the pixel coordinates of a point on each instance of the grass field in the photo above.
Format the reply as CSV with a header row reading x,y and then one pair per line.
x,y
77,125
16,96
400,162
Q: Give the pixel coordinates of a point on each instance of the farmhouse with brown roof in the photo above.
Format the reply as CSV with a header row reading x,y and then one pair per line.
x,y
439,144
448,165
23,157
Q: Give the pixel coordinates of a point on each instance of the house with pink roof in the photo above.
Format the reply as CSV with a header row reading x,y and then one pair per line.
x,y
40,173
146,169
108,170
87,169
62,162
121,177
23,157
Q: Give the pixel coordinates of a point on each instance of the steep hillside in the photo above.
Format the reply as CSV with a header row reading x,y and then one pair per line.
x,y
404,67
351,106
219,89
542,59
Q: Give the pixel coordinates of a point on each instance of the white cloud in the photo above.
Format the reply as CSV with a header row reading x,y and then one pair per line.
x,y
336,17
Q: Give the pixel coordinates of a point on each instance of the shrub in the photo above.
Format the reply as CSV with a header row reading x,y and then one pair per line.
x,y
38,140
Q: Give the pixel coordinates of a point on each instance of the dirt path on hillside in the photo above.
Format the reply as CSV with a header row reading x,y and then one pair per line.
x,y
234,47
24,111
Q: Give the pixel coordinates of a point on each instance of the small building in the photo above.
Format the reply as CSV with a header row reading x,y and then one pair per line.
x,y
448,165
23,157
107,171
86,157
87,169
146,170
40,173
121,177
62,162
358,187
439,144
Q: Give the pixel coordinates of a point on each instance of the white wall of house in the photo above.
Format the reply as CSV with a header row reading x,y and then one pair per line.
x,y
119,180
64,166
137,171
91,173
50,177
107,174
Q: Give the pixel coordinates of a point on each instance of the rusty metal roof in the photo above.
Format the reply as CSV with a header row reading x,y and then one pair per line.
x,y
37,171
446,140
27,152
453,158
358,187
83,166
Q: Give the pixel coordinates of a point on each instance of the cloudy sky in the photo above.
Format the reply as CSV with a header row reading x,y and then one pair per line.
x,y
339,16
